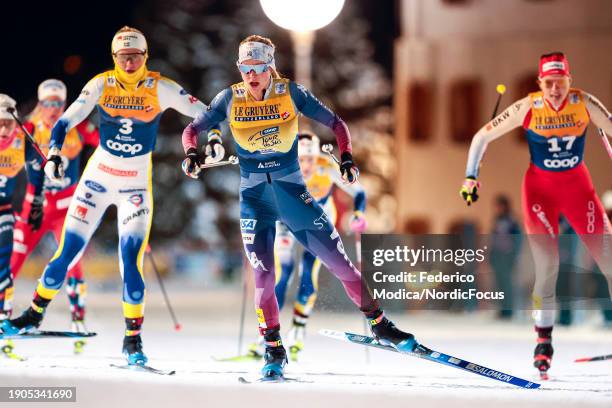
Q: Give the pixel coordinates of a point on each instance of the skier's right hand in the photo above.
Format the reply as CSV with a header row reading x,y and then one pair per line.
x,y
54,168
214,149
469,190
191,164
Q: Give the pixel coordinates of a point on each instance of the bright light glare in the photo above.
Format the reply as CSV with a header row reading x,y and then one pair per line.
x,y
302,15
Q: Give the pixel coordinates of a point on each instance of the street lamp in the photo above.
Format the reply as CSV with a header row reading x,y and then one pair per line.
x,y
302,18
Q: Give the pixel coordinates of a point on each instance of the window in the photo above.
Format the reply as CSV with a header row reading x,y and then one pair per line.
x,y
524,85
464,109
420,98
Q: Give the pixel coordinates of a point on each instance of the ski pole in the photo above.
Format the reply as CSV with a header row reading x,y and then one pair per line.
x,y
605,141
28,135
243,307
501,89
230,160
328,148
177,325
358,259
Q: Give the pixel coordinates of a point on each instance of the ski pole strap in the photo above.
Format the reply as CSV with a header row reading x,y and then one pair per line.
x,y
36,308
376,320
274,343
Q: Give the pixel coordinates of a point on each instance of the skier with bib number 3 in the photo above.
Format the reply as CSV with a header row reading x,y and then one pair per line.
x,y
557,182
130,100
262,111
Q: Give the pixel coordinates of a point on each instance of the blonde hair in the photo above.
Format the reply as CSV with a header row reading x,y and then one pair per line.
x,y
263,40
128,28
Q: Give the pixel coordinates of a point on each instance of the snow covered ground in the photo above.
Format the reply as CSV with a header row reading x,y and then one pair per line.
x,y
332,373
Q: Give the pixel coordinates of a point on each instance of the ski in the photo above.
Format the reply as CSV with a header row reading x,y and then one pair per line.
x,y
278,379
597,358
239,359
45,334
434,356
7,351
144,368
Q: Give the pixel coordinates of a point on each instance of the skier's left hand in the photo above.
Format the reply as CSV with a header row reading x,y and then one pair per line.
x,y
36,213
348,168
358,222
214,149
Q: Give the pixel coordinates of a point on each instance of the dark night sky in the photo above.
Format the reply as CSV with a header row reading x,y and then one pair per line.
x,y
40,36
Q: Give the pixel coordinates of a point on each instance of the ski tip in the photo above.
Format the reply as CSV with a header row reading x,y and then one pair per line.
x,y
178,327
582,360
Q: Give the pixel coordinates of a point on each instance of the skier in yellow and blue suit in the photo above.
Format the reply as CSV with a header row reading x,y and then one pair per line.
x,y
130,100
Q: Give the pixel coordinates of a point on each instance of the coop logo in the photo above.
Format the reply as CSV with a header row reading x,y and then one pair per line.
x,y
98,188
537,209
247,224
590,217
561,163
124,147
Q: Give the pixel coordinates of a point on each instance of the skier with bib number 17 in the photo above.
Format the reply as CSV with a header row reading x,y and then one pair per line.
x,y
557,182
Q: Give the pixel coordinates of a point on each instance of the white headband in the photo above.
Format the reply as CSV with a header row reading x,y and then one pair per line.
x,y
257,51
6,102
52,87
309,147
129,39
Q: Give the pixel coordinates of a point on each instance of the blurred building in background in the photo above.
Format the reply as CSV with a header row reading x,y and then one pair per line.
x,y
448,60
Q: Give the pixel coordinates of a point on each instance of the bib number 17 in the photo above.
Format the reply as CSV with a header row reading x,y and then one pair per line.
x,y
554,143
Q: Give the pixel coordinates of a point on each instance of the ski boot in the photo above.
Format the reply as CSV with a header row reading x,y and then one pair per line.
x,y
387,334
295,340
132,350
275,356
28,321
542,355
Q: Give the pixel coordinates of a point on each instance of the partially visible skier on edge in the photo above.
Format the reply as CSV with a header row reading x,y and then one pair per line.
x,y
130,100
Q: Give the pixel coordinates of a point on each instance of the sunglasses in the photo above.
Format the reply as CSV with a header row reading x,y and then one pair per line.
x,y
129,57
52,104
258,69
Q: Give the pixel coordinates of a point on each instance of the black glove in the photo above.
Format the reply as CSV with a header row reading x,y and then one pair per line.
x,y
348,169
192,162
35,217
